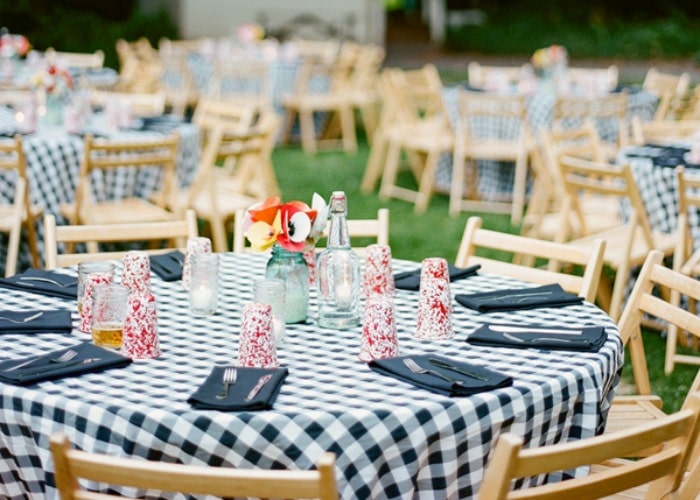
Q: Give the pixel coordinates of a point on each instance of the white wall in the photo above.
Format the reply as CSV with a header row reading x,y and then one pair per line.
x,y
363,20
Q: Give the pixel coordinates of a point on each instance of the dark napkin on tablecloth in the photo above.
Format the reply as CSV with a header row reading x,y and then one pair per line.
x,y
168,265
66,286
204,398
395,367
161,123
585,339
42,368
35,321
410,280
515,299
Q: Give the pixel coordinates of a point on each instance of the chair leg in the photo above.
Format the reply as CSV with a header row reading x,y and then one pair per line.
x,y
308,133
377,156
347,125
427,181
457,185
391,168
289,117
13,251
218,233
519,188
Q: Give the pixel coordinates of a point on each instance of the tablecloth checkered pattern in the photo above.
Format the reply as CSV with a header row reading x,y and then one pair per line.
x,y
496,178
659,191
53,162
392,439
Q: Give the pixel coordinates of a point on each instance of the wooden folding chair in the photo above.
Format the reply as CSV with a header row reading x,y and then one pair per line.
x,y
82,60
422,131
556,256
105,158
140,104
674,437
72,464
663,131
686,260
627,244
668,87
493,77
593,80
168,234
476,141
235,168
20,213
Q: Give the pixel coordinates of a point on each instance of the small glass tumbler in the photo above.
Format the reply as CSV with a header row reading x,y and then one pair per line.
x,y
108,315
273,292
204,283
85,268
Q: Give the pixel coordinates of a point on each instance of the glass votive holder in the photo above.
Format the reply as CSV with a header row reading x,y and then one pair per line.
x,y
86,268
204,283
273,293
108,315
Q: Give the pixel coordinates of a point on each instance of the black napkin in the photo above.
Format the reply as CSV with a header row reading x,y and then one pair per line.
x,y
168,265
34,321
42,368
515,299
395,367
163,123
410,280
204,398
586,339
66,289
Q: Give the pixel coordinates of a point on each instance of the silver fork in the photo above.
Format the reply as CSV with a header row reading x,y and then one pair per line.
x,y
24,320
66,356
47,280
416,368
229,377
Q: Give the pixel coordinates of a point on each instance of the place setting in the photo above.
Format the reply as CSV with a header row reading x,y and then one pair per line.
x,y
39,281
515,299
588,338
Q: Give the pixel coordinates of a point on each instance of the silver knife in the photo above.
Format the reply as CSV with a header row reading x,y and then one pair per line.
x,y
56,367
535,330
261,382
578,343
457,369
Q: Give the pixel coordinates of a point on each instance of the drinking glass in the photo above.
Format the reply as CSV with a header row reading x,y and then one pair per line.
x,y
108,315
85,268
204,283
273,292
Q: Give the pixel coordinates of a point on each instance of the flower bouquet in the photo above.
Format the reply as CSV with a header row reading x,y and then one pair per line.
x,y
53,80
13,45
293,225
549,61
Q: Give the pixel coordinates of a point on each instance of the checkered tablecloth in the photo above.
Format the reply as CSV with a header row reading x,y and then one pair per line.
x,y
496,178
392,439
659,189
53,160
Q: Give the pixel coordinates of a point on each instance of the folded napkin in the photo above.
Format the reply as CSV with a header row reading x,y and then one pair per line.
x,y
34,321
168,265
162,123
410,280
43,282
519,298
587,339
89,358
469,379
204,398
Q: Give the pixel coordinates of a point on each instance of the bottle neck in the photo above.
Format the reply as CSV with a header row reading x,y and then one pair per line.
x,y
338,236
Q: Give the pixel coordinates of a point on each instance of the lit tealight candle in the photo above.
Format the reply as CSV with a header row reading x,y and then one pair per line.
x,y
201,297
343,294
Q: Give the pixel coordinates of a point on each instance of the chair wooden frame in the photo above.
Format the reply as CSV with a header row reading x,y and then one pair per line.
x,y
557,255
357,228
83,60
628,411
175,231
662,471
686,260
71,464
471,146
662,131
581,78
627,244
102,156
21,213
421,130
140,104
669,87
490,77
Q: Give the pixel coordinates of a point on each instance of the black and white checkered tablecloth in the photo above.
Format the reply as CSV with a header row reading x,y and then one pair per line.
x,y
392,439
658,188
496,178
53,160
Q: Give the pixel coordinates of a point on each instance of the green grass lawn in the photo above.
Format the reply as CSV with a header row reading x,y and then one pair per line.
x,y
431,234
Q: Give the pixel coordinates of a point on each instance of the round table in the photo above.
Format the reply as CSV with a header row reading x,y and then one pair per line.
x,y
53,159
392,440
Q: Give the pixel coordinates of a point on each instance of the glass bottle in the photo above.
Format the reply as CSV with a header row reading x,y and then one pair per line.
x,y
338,272
291,268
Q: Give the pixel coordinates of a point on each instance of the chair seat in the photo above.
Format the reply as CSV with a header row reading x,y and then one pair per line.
x,y
627,411
121,211
7,217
